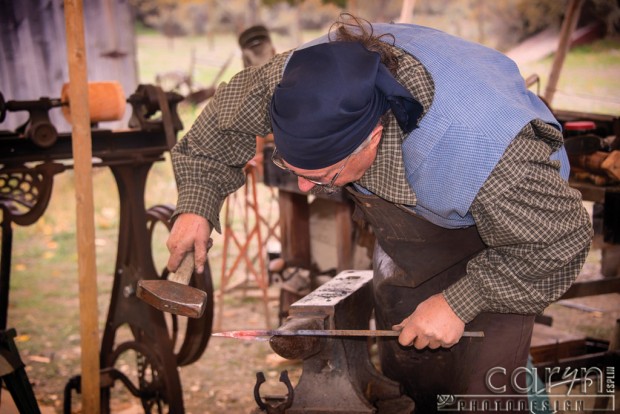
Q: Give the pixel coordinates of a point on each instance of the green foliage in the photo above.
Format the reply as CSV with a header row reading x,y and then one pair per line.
x,y
142,29
609,12
538,15
506,22
588,82
340,3
275,2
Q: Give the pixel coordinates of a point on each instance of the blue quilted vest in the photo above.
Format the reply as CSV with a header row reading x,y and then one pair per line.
x,y
480,105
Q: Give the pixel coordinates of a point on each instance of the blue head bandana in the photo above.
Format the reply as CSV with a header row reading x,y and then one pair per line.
x,y
330,99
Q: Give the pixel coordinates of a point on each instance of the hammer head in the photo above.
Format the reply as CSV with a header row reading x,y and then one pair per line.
x,y
173,297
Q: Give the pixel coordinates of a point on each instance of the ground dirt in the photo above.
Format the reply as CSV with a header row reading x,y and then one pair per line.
x,y
223,379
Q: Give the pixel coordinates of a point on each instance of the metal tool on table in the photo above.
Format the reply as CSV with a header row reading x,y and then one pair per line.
x,y
174,295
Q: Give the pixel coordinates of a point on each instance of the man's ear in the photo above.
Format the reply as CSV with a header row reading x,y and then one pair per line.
x,y
375,136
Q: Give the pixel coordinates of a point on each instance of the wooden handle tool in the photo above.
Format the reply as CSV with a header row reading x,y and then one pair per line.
x,y
174,295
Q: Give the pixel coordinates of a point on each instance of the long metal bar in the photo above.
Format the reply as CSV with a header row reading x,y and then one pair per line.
x,y
106,145
262,333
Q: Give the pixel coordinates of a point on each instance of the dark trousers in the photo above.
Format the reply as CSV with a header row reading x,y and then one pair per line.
x,y
415,259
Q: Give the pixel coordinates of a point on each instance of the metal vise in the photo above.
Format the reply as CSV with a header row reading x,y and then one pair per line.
x,y
338,375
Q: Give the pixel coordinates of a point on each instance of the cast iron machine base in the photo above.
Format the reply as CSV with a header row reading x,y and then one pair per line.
x,y
27,170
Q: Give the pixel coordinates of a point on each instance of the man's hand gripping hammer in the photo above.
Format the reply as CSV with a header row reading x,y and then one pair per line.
x,y
174,295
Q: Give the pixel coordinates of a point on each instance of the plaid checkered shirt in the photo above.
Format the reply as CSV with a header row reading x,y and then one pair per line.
x,y
534,225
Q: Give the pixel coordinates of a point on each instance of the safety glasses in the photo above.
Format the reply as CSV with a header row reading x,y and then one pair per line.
x,y
279,162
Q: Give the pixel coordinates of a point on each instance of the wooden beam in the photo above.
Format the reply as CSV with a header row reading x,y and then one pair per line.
x,y
344,235
406,12
568,27
295,228
593,288
82,155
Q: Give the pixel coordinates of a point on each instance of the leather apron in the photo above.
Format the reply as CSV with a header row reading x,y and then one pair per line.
x,y
413,260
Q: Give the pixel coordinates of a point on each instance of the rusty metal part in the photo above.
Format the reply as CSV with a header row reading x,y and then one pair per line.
x,y
153,392
274,404
2,108
26,191
301,347
147,101
39,129
197,330
173,297
149,387
13,374
24,195
135,262
338,376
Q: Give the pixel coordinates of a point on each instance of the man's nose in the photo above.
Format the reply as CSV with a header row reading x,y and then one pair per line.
x,y
304,185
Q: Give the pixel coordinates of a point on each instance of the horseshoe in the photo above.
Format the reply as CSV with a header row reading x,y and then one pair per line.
x,y
279,407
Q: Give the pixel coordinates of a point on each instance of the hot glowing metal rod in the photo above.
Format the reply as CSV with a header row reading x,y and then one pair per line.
x,y
258,334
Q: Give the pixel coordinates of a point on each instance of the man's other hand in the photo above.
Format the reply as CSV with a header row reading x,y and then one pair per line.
x,y
190,232
433,324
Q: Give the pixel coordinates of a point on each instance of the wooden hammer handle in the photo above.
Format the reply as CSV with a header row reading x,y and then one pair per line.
x,y
185,270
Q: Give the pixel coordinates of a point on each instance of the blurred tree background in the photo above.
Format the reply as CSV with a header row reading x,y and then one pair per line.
x,y
500,23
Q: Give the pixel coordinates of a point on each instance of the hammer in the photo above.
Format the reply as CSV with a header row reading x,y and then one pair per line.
x,y
174,295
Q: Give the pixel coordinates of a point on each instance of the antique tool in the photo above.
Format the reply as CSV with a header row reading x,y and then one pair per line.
x,y
274,404
261,333
338,375
39,128
106,103
155,347
174,295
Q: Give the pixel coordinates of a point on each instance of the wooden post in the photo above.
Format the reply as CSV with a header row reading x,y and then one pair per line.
x,y
614,342
568,26
344,235
295,228
82,155
406,12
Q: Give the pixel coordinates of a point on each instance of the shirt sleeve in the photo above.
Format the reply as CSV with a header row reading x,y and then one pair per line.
x,y
536,230
208,162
